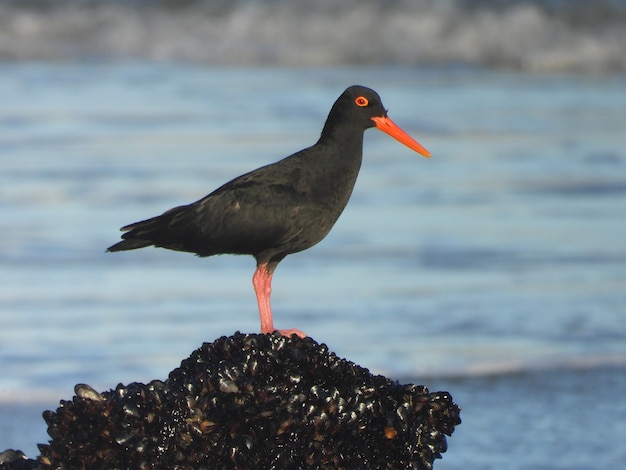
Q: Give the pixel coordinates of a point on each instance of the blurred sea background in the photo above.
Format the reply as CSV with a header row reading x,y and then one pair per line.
x,y
495,270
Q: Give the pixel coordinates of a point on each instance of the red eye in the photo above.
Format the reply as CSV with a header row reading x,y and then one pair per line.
x,y
361,101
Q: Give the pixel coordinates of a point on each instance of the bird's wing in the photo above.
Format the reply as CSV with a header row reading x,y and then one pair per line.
x,y
248,215
260,210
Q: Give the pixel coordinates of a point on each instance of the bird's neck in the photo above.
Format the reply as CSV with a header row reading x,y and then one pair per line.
x,y
346,142
338,160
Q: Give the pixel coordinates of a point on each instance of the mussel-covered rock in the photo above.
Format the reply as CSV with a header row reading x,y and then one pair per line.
x,y
15,459
252,402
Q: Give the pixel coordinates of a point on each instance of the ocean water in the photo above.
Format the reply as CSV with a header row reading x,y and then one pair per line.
x,y
495,270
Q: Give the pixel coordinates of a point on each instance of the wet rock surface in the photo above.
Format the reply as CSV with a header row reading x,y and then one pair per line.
x,y
250,401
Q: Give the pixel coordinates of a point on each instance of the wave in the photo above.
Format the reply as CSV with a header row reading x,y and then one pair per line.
x,y
535,36
513,367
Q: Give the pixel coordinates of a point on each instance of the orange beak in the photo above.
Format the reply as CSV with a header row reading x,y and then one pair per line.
x,y
389,127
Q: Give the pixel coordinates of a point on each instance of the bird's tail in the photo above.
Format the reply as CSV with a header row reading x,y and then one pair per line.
x,y
131,244
138,234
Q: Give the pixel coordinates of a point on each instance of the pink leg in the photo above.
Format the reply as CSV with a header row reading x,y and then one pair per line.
x,y
262,281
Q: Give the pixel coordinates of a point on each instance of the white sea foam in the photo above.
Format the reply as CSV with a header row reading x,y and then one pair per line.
x,y
520,35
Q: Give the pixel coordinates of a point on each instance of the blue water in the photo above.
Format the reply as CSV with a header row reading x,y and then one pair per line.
x,y
495,270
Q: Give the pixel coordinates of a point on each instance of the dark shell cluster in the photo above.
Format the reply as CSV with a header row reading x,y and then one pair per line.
x,y
251,401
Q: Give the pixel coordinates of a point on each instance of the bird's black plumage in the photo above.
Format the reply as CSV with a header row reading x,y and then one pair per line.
x,y
278,209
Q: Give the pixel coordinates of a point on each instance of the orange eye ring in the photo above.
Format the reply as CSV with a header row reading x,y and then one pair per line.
x,y
361,101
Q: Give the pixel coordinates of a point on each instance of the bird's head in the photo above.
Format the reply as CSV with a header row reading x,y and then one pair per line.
x,y
361,107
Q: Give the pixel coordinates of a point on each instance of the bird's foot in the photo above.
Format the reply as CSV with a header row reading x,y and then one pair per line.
x,y
289,332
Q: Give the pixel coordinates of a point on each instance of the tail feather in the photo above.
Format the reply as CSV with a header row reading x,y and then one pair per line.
x,y
148,232
138,234
131,244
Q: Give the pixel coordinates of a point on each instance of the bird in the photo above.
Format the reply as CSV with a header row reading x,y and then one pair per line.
x,y
280,208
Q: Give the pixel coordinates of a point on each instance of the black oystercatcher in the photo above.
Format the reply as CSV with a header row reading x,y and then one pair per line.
x,y
278,209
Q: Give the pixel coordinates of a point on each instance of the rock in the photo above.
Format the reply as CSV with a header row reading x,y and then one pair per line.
x,y
252,401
